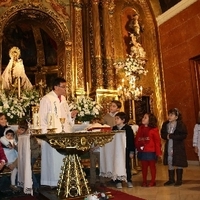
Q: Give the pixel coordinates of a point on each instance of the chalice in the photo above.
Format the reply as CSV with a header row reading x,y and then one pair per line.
x,y
62,121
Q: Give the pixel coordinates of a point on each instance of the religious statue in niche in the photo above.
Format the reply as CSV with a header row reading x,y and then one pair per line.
x,y
14,75
134,26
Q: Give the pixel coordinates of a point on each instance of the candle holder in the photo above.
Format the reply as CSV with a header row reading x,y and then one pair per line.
x,y
51,130
62,121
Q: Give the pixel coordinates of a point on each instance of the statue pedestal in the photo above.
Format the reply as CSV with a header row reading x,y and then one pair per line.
x,y
72,183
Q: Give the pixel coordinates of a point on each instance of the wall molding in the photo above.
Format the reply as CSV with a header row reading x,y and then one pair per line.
x,y
174,11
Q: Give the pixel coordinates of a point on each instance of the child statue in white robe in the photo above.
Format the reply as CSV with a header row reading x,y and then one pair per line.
x,y
15,71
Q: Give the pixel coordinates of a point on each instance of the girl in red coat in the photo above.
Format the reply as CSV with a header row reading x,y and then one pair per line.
x,y
148,144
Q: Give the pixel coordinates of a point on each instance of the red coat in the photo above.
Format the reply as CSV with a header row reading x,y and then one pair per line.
x,y
2,154
148,140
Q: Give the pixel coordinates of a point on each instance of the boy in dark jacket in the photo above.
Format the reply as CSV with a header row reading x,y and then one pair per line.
x,y
121,120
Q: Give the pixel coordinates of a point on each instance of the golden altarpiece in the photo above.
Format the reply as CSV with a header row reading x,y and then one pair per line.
x,y
80,40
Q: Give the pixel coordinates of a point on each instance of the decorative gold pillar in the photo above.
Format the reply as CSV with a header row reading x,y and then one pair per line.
x,y
78,56
69,71
97,43
107,13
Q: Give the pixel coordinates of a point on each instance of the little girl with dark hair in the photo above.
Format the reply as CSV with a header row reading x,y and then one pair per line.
x,y
174,132
3,124
148,144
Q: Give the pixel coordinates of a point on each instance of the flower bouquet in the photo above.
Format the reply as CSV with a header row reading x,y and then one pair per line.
x,y
87,108
17,108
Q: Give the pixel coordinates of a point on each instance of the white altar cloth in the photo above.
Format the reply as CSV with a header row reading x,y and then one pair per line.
x,y
24,164
113,159
52,160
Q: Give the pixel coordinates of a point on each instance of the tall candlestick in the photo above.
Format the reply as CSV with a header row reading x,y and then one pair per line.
x,y
87,87
18,87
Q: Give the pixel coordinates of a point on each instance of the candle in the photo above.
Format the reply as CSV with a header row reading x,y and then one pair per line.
x,y
51,120
87,87
18,87
36,121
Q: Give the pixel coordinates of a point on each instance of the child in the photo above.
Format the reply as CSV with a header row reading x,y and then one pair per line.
x,y
174,132
3,124
196,137
95,157
35,149
9,144
148,144
109,118
120,121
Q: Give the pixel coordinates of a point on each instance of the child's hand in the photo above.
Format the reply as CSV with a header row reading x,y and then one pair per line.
x,y
10,146
131,155
2,165
159,159
196,149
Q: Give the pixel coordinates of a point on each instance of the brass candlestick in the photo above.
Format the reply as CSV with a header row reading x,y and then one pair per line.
x,y
72,183
62,121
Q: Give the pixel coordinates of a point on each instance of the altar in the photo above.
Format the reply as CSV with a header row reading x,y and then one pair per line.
x,y
72,183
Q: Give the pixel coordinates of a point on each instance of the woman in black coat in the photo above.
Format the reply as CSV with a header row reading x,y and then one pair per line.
x,y
174,132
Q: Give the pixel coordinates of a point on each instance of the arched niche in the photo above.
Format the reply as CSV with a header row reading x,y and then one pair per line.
x,y
43,39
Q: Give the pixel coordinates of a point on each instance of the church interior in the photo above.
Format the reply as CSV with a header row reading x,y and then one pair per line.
x,y
88,43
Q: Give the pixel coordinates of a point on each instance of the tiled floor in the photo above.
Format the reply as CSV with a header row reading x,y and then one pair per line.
x,y
190,190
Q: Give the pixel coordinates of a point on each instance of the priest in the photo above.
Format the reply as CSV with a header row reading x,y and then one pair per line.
x,y
53,107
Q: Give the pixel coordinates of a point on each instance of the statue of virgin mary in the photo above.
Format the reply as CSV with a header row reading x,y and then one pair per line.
x,y
15,71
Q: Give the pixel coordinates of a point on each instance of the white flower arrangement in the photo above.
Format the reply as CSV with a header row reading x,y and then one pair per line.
x,y
132,66
87,108
17,108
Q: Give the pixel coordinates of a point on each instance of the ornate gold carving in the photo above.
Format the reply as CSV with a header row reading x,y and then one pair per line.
x,y
39,47
72,181
35,2
104,97
78,44
99,72
76,184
